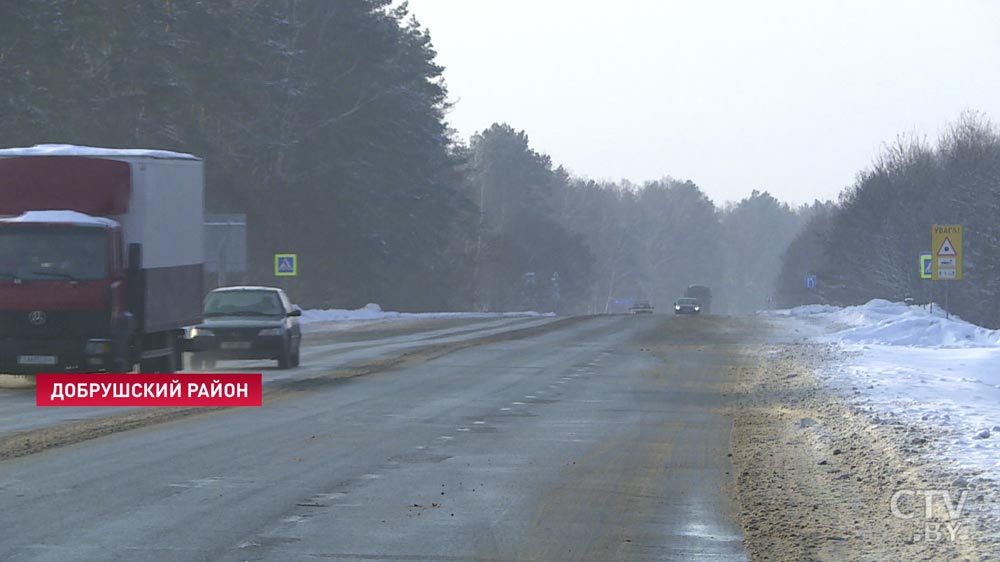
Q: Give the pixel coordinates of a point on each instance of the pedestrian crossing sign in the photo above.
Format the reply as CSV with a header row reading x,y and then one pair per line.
x,y
926,265
286,265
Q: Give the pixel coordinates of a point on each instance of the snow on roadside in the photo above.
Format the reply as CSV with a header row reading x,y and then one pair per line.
x,y
905,363
373,311
807,310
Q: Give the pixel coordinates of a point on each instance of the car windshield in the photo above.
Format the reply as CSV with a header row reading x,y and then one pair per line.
x,y
243,303
687,301
53,253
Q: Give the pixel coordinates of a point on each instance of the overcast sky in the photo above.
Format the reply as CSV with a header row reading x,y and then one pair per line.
x,y
794,96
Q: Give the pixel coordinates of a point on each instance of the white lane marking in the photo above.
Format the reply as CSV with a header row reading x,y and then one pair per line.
x,y
371,476
200,483
518,403
479,423
420,447
504,409
446,438
531,397
463,429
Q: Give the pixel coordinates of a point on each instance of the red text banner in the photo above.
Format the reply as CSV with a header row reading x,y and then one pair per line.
x,y
177,390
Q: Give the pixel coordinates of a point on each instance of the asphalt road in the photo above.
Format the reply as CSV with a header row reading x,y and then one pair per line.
x,y
600,439
324,347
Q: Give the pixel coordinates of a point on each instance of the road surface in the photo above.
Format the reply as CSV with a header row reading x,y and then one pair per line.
x,y
598,438
324,348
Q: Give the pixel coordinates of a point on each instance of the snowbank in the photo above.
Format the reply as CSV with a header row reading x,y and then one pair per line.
x,y
807,310
904,362
893,323
956,391
372,311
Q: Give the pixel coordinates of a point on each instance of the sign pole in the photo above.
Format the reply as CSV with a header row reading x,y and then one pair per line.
x,y
931,299
947,307
946,243
285,266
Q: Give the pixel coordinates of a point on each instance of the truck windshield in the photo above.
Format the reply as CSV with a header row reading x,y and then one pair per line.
x,y
243,303
53,253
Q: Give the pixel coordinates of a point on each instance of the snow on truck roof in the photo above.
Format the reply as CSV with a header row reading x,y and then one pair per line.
x,y
62,217
93,151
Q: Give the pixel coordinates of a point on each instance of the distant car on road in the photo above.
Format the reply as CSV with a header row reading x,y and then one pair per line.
x,y
641,307
687,305
247,323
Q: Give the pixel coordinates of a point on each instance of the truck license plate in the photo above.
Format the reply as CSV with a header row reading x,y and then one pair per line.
x,y
235,345
37,359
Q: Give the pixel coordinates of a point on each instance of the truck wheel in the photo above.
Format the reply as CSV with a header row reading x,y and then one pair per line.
x,y
168,364
166,344
163,365
119,365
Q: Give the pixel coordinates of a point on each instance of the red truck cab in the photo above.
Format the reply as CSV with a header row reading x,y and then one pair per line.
x,y
62,293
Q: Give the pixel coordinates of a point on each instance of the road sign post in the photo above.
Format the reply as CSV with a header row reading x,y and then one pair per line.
x,y
225,245
946,244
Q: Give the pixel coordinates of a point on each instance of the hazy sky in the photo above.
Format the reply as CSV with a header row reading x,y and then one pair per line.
x,y
794,97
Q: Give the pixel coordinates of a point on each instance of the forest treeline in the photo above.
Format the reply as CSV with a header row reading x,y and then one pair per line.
x,y
325,121
868,245
611,242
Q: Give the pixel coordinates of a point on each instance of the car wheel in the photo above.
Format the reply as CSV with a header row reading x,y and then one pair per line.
x,y
295,356
202,364
285,359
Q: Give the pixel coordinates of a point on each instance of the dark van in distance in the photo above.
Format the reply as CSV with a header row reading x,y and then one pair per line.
x,y
703,295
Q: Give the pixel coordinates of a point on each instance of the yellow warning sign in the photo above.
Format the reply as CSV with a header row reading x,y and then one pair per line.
x,y
946,243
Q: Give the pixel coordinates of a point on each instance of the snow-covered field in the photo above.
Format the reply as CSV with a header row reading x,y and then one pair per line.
x,y
373,311
906,363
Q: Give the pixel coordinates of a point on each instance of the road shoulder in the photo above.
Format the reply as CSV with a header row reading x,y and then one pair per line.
x,y
815,475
